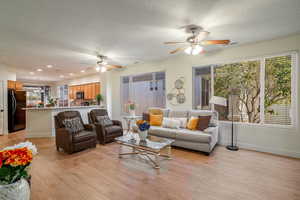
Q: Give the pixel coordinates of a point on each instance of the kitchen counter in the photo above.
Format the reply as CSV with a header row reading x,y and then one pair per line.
x,y
63,108
40,121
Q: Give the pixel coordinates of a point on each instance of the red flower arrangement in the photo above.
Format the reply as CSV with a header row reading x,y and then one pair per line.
x,y
13,164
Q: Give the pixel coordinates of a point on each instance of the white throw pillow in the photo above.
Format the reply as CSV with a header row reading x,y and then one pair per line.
x,y
183,121
171,123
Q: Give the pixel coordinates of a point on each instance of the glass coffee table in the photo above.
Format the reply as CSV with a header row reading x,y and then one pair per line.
x,y
151,148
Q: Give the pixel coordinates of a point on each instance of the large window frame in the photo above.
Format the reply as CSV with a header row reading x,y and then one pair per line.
x,y
262,59
130,76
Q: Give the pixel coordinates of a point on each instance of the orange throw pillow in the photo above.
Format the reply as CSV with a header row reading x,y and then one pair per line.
x,y
193,123
156,120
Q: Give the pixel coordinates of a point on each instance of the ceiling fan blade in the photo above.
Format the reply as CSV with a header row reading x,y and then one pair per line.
x,y
175,42
202,35
178,49
109,67
210,42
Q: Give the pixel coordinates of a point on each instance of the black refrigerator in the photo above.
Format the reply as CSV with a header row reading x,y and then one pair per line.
x,y
16,115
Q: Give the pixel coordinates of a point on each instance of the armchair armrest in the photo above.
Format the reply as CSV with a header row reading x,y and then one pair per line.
x,y
117,123
63,138
88,127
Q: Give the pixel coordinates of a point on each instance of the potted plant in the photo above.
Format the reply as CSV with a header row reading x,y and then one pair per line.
x,y
99,98
131,107
14,171
143,127
51,102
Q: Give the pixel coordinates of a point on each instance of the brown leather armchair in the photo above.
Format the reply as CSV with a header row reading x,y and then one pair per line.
x,y
73,141
106,132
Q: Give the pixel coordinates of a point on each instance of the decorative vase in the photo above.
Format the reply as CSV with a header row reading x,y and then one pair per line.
x,y
143,135
19,190
132,112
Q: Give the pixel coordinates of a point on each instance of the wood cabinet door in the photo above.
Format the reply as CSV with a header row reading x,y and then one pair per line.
x,y
93,90
18,85
85,90
97,89
11,84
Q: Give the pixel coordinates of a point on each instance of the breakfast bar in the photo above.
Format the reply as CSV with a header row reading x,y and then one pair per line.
x,y
40,121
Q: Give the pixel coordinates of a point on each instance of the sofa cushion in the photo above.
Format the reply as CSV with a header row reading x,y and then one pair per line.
x,y
171,123
213,114
157,110
203,122
193,136
183,121
83,136
162,132
112,130
156,120
178,114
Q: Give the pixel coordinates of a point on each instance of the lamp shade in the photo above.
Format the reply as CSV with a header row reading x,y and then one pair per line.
x,y
218,100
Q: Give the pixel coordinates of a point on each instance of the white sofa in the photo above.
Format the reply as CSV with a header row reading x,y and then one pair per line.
x,y
204,141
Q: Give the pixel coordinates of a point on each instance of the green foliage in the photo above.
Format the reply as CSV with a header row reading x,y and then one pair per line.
x,y
99,97
278,81
9,174
131,106
245,76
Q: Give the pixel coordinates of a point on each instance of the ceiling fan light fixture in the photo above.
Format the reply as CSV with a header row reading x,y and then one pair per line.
x,y
103,69
193,50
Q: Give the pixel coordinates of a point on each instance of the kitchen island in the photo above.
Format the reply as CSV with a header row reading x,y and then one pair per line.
x,y
40,121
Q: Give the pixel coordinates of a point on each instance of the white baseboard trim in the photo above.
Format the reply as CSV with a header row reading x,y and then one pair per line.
x,y
266,150
38,135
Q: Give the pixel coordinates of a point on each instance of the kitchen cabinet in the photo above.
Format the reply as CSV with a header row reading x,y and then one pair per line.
x,y
16,85
90,90
11,84
19,85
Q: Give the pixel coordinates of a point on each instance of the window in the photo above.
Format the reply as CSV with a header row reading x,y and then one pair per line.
x,y
278,90
257,91
145,90
239,83
62,95
202,87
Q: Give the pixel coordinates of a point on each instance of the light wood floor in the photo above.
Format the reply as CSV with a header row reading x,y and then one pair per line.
x,y
99,174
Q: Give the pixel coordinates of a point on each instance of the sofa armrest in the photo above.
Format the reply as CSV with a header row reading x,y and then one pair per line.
x,y
211,130
88,127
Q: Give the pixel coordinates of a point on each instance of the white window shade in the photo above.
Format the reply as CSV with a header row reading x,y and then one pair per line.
x,y
145,90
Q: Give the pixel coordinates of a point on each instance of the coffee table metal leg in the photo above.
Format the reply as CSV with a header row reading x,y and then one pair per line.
x,y
120,151
169,149
157,165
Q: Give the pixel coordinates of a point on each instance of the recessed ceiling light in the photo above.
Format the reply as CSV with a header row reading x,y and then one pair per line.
x,y
49,66
31,73
71,74
82,71
39,70
61,76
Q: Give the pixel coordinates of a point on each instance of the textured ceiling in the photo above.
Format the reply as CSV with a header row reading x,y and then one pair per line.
x,y
67,33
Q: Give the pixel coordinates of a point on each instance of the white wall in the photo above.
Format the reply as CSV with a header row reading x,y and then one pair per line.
x,y
81,80
285,141
6,73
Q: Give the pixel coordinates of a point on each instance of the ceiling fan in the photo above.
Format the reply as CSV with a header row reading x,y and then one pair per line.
x,y
196,41
103,66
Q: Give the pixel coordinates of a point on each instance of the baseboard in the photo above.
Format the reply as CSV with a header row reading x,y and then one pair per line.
x,y
266,150
38,135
